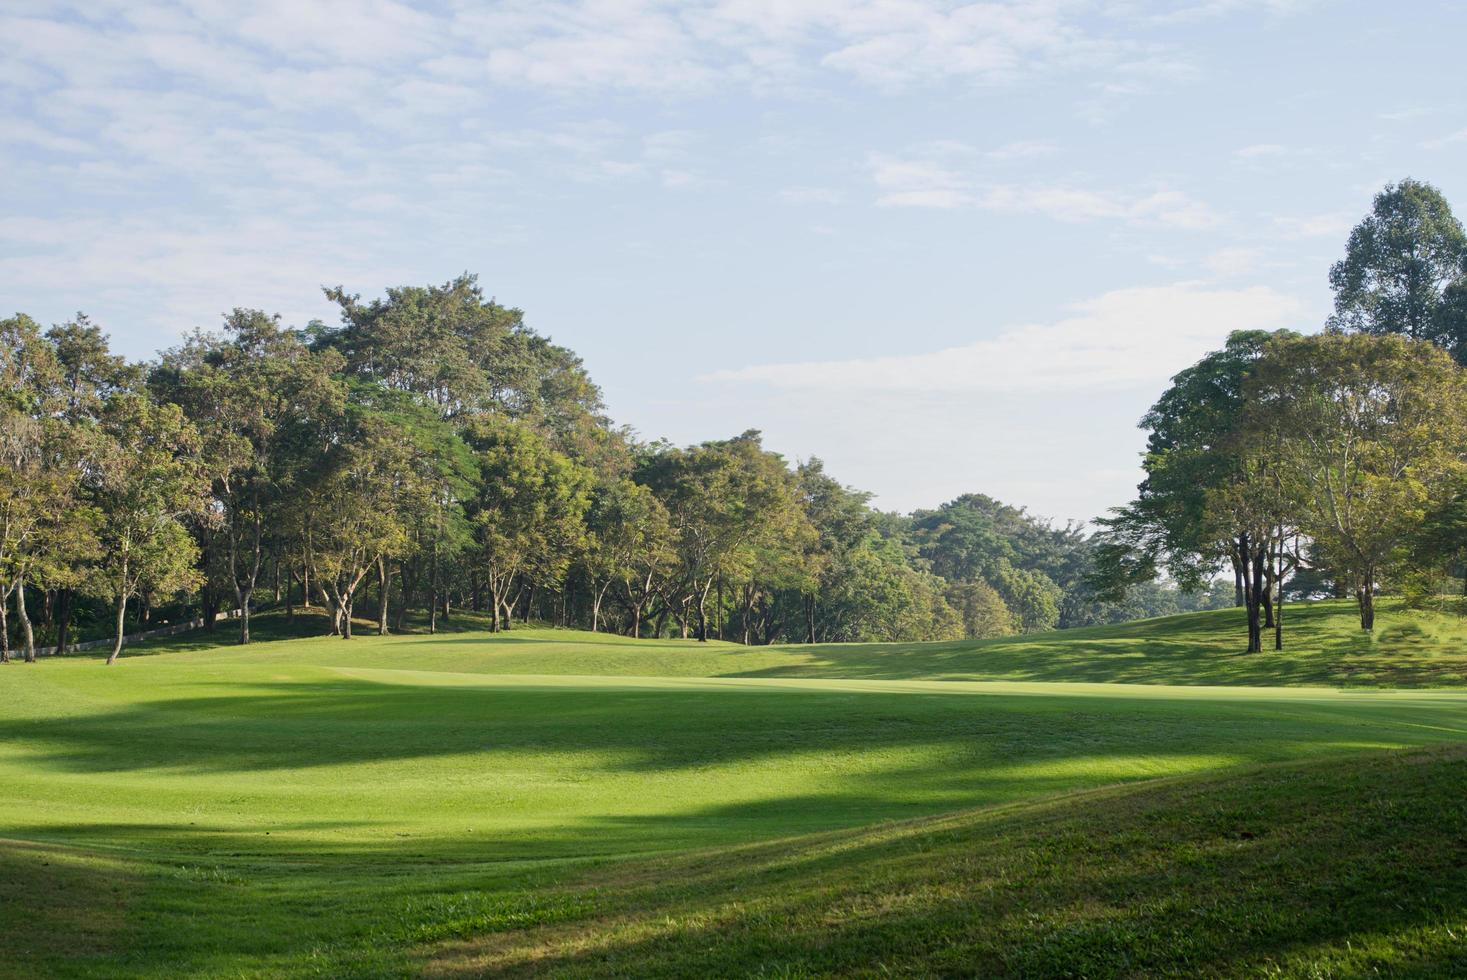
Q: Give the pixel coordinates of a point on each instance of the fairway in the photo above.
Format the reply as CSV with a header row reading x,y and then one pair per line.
x,y
311,805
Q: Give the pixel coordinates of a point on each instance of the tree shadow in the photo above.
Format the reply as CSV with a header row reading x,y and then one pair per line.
x,y
1342,868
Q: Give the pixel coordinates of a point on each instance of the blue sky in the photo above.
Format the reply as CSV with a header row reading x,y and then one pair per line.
x,y
946,247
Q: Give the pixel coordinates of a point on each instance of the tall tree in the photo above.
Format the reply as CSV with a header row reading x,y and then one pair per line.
x,y
46,529
149,480
1196,458
1374,430
722,497
529,515
1399,263
249,391
630,543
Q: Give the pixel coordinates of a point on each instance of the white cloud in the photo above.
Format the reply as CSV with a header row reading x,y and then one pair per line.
x,y
1022,150
1329,225
1258,150
935,180
917,183
1436,144
811,195
1230,263
1121,339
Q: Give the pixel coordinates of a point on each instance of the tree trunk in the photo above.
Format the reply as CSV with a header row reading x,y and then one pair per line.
x,y
597,596
1278,620
28,636
242,595
66,602
343,605
1366,596
703,611
1250,561
809,619
384,590
4,627
290,593
121,612
209,603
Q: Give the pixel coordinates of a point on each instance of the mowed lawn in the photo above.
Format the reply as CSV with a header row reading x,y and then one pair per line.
x,y
464,802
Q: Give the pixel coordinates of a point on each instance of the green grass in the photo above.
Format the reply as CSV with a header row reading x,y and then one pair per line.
x,y
310,806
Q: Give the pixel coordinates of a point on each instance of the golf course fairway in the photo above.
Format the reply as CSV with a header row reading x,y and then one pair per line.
x,y
559,802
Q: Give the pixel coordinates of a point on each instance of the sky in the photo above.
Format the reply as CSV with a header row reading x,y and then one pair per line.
x,y
946,247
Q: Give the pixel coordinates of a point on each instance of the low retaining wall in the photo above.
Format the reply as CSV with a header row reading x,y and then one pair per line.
x,y
127,638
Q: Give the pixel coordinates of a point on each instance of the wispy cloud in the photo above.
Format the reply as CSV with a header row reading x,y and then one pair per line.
x,y
1125,338
940,181
1332,224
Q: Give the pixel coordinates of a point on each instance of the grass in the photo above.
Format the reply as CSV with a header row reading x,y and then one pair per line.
x,y
552,800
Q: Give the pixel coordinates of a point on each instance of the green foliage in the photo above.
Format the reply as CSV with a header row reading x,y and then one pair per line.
x,y
1399,264
1372,431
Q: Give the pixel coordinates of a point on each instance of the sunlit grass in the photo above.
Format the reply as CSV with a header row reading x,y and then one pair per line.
x,y
310,804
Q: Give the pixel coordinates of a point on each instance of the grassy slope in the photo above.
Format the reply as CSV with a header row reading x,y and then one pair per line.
x,y
1325,647
1347,868
315,805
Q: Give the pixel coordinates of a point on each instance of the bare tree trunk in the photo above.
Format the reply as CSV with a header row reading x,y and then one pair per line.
x,y
597,596
384,583
1366,596
242,596
1278,626
1252,576
121,612
1278,621
28,636
702,611
4,626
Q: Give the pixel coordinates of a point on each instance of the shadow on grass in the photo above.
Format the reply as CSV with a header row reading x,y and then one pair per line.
x,y
1323,647
1338,868
304,725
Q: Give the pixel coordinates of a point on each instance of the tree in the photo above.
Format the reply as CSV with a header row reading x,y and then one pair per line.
x,y
630,542
1399,263
1374,429
842,521
46,530
982,610
149,479
249,391
1194,512
385,465
464,354
722,498
529,516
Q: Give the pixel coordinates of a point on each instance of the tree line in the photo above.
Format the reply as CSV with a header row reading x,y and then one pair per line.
x,y
431,453
1331,464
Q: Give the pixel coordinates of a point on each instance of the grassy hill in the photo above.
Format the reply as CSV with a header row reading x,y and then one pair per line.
x,y
463,801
